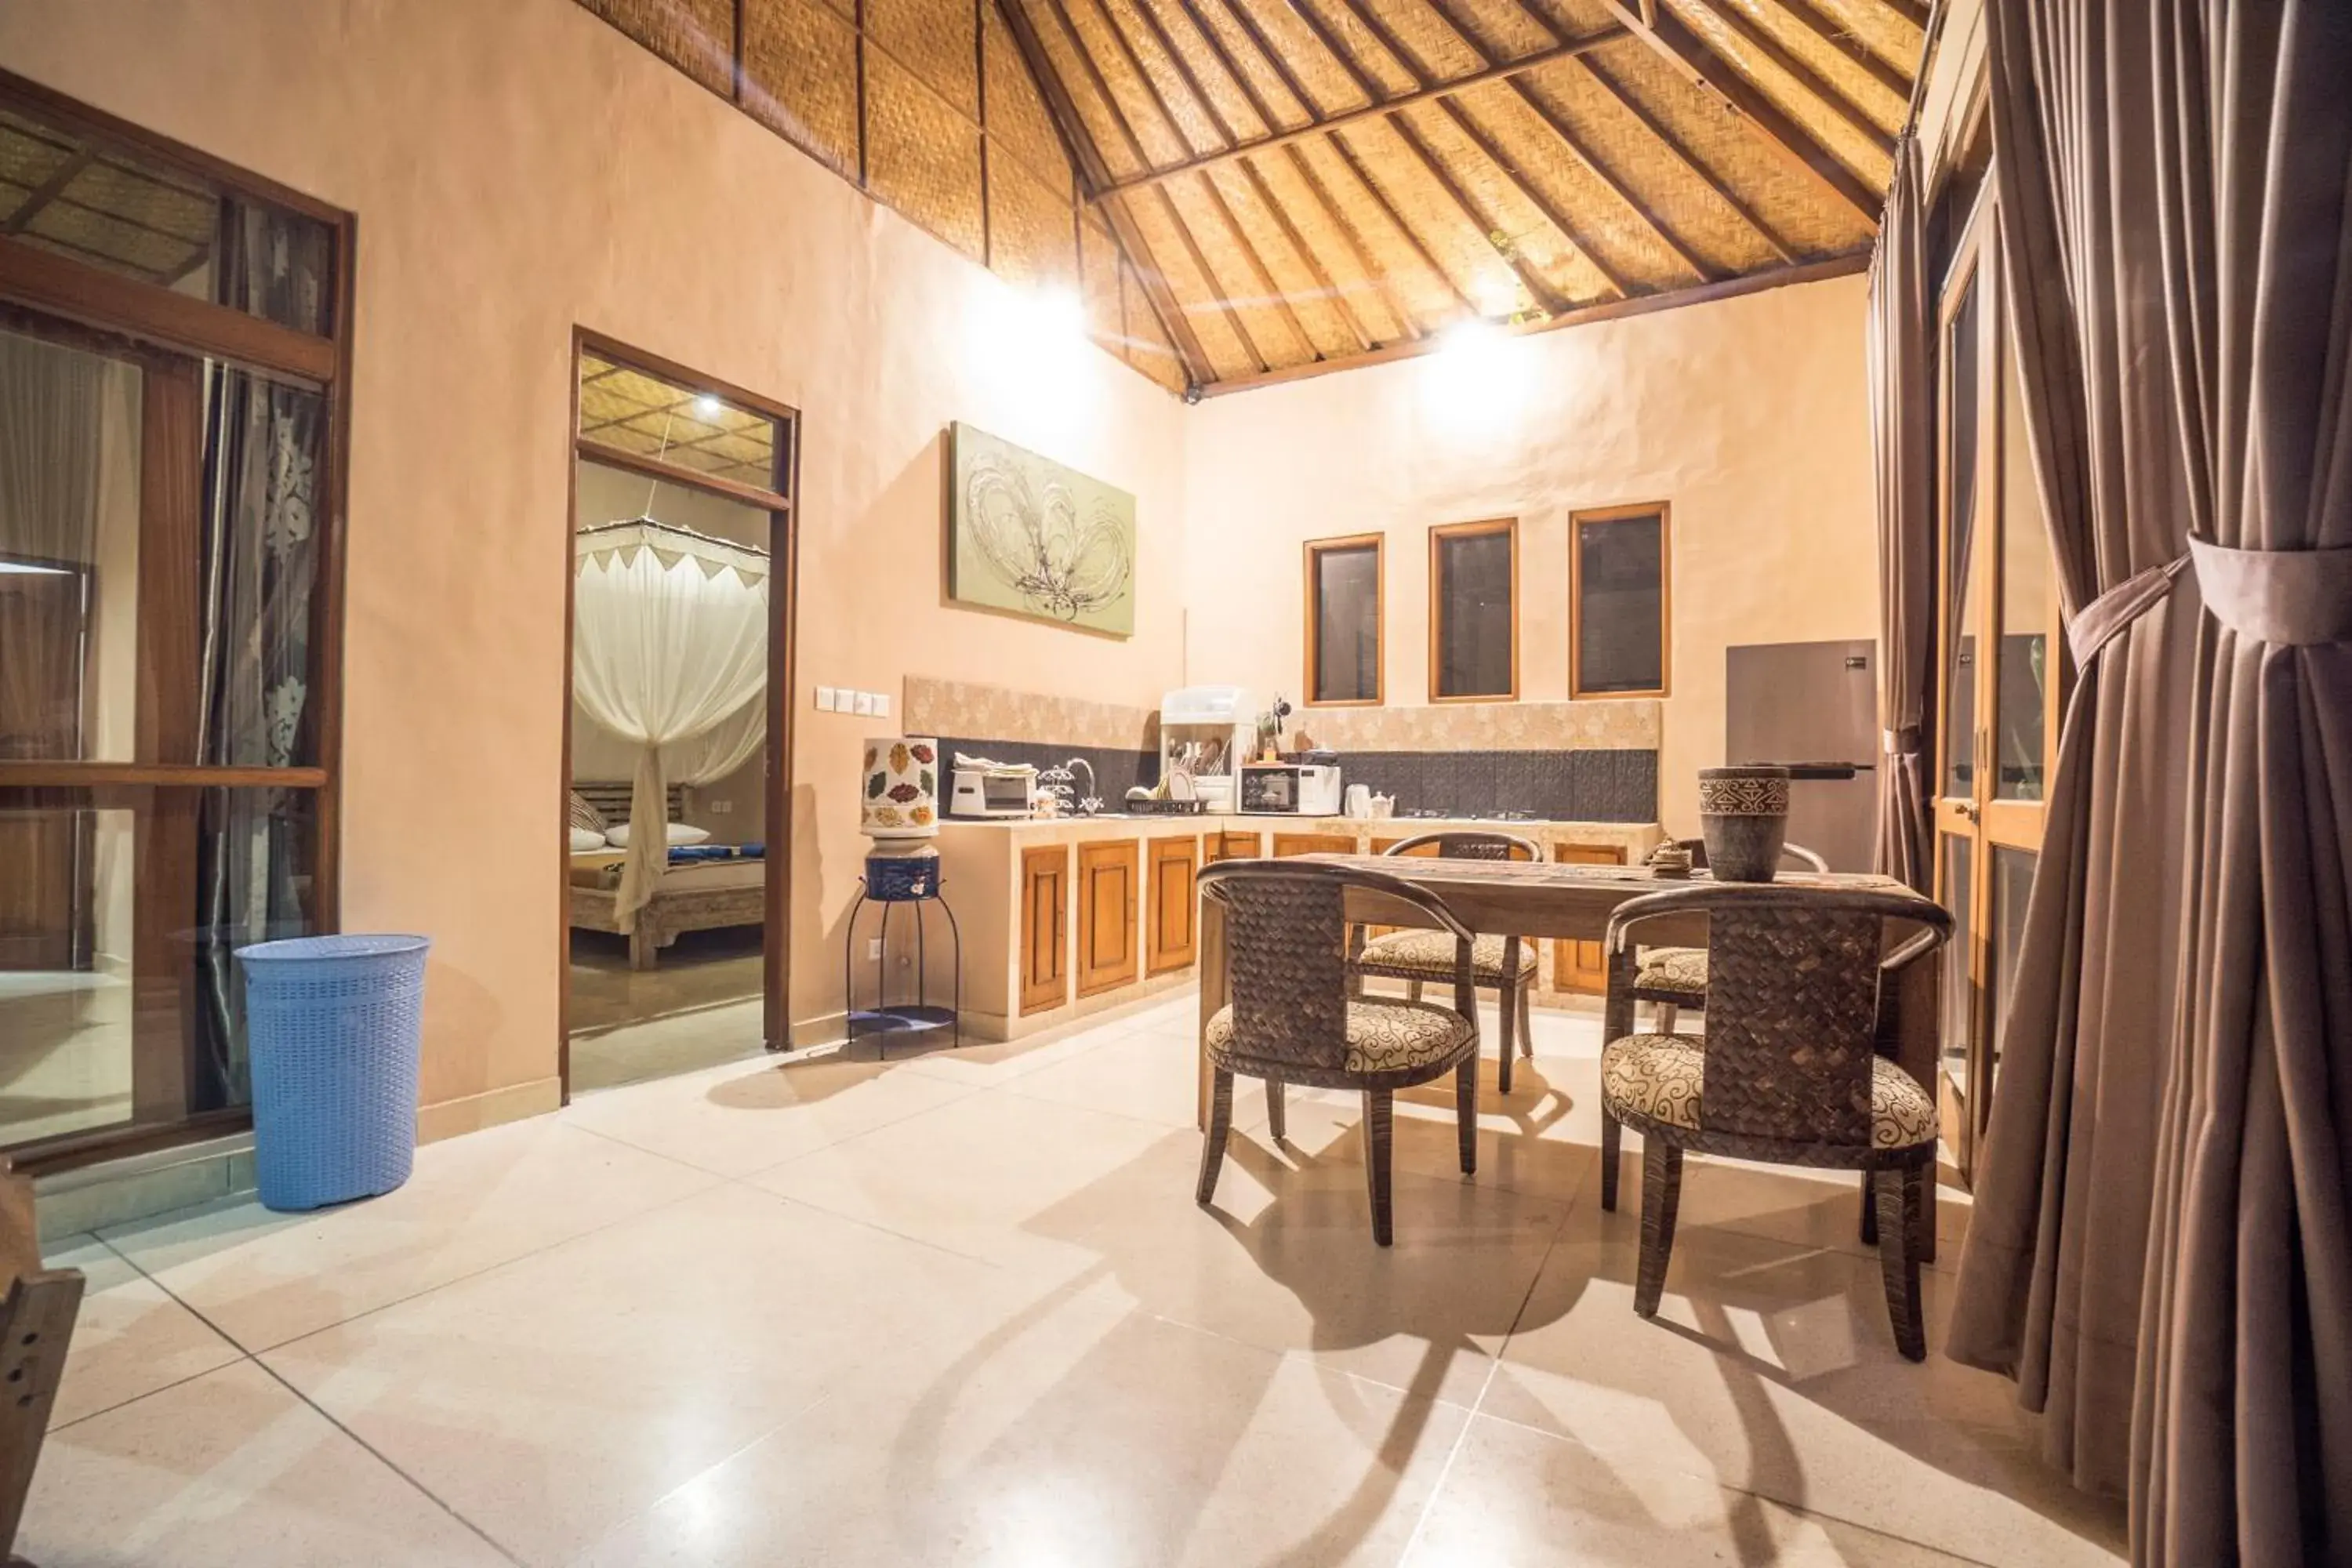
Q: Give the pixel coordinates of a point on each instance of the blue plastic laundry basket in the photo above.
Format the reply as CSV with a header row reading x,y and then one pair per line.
x,y
333,1025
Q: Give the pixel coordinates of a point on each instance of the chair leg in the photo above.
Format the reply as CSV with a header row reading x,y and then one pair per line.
x,y
1662,1017
1527,1025
1661,1194
1380,1125
1466,1112
1869,1210
1900,1197
1273,1110
1612,1140
1505,1000
1213,1141
1412,990
1923,1223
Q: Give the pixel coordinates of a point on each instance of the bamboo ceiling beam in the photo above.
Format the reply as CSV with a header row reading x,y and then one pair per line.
x,y
1255,262
1092,175
1850,45
1300,166
1681,49
1258,187
1916,12
1756,38
48,190
1552,212
1306,106
1687,159
1547,298
1323,125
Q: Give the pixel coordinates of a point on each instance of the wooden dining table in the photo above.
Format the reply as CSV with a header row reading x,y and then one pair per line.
x,y
1540,901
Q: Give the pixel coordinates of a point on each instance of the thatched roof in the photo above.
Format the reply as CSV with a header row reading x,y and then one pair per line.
x,y
1250,189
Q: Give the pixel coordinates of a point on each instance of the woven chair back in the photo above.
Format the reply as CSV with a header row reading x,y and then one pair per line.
x,y
1473,844
1286,953
1791,1003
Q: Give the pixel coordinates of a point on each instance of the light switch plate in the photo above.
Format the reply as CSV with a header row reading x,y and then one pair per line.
x,y
824,698
881,705
866,703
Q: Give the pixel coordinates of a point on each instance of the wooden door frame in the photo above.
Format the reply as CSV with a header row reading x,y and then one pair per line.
x,y
783,621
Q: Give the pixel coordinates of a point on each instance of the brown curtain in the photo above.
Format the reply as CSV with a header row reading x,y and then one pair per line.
x,y
1903,438
2158,1253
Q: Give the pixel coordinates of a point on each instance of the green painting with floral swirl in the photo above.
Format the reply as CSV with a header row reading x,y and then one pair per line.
x,y
1027,536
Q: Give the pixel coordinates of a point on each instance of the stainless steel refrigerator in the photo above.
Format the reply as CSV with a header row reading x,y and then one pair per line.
x,y
1813,707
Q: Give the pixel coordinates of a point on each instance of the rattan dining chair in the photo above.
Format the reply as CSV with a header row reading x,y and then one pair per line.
x,y
1292,1015
1788,1073
1506,964
1673,978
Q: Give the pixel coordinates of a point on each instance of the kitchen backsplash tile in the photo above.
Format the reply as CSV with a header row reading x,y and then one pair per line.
x,y
931,706
1618,724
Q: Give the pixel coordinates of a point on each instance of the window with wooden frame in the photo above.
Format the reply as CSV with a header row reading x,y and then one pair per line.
x,y
1474,615
1620,639
174,339
1346,580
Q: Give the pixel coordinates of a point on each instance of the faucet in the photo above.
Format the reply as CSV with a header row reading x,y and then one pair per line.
x,y
1091,802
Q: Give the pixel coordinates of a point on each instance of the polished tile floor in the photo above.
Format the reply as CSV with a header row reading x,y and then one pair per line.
x,y
962,1309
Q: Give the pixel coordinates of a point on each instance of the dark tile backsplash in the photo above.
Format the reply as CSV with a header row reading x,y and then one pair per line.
x,y
1582,785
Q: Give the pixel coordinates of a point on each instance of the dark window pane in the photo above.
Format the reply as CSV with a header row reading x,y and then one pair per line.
x,y
1959,986
1621,585
118,208
1963,569
119,1002
2012,888
1474,615
1347,625
264,505
2027,594
69,473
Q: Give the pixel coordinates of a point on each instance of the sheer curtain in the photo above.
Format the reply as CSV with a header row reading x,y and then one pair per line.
x,y
669,641
1904,440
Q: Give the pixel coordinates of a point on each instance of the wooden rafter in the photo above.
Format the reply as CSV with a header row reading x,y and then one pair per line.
x,y
1683,155
1255,262
1323,125
1258,187
1746,28
1683,49
1093,176
48,190
1850,45
1307,175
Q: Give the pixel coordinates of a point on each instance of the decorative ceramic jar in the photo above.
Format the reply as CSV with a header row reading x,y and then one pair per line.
x,y
1744,814
899,799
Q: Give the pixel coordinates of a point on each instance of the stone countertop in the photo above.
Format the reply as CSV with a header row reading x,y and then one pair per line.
x,y
1048,828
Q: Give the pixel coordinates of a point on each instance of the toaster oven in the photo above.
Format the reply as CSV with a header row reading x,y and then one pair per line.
x,y
1290,789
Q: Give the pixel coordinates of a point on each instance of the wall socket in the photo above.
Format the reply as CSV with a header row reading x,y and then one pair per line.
x,y
722,808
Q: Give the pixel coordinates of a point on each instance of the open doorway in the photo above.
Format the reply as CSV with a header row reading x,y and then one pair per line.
x,y
677,833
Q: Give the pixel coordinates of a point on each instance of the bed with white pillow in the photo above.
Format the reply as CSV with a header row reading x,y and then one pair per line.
x,y
701,895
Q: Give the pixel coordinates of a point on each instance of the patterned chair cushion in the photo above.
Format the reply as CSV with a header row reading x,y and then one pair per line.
x,y
1382,1036
1672,969
1662,1077
1429,955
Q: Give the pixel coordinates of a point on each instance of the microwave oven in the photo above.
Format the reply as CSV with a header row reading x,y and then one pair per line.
x,y
1290,789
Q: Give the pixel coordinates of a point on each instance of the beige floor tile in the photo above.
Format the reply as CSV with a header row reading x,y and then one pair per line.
x,y
1084,1432
976,1175
474,1202
1152,1074
1771,1369
1521,1145
746,1116
130,1338
231,1469
1786,1202
550,1400
1514,1495
1283,1258
986,1063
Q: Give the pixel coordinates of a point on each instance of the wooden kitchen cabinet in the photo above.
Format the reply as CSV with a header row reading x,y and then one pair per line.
x,y
1584,966
1044,926
1230,846
1314,844
1175,905
1109,899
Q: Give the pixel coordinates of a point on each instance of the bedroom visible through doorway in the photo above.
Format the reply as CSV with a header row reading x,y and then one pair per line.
x,y
680,614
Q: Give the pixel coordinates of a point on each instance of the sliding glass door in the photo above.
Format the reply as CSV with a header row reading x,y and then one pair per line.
x,y
2001,671
170,529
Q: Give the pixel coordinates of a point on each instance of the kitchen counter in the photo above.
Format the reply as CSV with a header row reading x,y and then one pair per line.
x,y
1064,917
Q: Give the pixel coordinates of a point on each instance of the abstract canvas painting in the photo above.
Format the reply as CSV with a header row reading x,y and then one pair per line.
x,y
1029,536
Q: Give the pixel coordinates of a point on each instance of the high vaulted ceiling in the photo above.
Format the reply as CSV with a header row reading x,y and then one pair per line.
x,y
1256,189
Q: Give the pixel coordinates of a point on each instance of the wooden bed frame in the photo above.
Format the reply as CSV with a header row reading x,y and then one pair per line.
x,y
671,911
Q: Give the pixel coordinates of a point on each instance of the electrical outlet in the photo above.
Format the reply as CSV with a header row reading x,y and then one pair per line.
x,y
881,705
873,950
826,698
722,808
866,703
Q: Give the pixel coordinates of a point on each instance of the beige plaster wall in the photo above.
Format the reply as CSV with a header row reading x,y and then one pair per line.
x,y
519,168
1748,415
